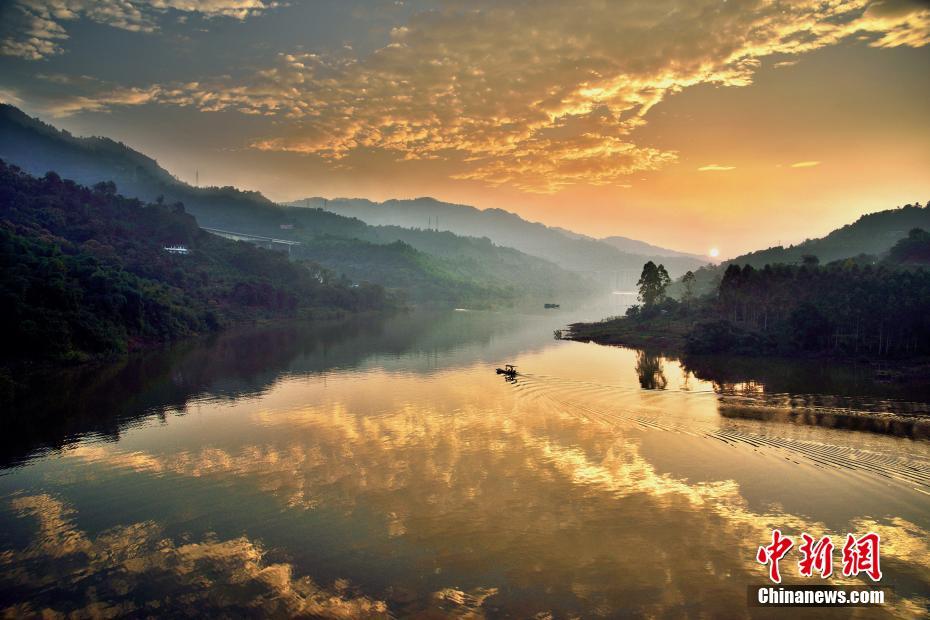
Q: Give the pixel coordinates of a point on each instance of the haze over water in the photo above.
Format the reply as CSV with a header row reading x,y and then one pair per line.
x,y
383,469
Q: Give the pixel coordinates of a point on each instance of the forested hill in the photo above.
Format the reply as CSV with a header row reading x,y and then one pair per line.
x,y
868,240
37,148
873,233
84,273
467,271
567,249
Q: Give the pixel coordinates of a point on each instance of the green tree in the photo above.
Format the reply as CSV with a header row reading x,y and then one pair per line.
x,y
687,281
652,283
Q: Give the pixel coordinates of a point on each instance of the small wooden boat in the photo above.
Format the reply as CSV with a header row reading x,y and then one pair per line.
x,y
509,369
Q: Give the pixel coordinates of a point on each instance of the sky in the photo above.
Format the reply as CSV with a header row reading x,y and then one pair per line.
x,y
692,124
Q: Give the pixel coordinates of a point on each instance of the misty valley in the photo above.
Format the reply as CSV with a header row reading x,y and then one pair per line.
x,y
389,309
215,405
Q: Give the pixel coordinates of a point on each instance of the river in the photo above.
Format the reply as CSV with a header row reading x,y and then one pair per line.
x,y
381,468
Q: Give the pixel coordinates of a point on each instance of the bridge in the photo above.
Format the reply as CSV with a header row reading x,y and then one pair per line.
x,y
270,243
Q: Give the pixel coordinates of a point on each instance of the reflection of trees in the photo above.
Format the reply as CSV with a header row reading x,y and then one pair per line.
x,y
839,395
782,374
650,371
102,399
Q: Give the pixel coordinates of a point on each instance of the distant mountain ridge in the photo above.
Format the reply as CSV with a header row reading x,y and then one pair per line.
x,y
635,246
570,250
873,233
868,240
430,267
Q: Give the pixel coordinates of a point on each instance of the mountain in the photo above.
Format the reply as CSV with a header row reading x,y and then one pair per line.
x,y
460,271
634,246
569,250
873,233
911,251
85,273
871,238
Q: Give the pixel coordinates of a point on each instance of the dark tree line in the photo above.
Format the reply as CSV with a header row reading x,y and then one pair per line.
x,y
842,307
861,305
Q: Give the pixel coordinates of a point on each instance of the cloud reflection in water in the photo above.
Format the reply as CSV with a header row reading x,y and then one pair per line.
x,y
484,489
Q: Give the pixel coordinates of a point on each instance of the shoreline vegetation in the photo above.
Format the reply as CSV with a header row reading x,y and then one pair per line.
x,y
670,338
868,309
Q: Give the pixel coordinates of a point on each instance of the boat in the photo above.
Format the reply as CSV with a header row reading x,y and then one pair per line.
x,y
550,305
509,370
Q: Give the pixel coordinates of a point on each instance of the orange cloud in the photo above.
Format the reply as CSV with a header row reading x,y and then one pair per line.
x,y
538,96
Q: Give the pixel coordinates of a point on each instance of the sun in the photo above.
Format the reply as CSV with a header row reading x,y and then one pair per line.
x,y
714,252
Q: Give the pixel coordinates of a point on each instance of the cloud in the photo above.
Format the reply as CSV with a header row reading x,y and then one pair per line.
x,y
899,22
103,101
534,95
34,29
61,559
538,96
715,168
138,571
10,96
321,454
805,164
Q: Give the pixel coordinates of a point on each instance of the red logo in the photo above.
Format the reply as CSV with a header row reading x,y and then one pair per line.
x,y
816,556
773,553
860,555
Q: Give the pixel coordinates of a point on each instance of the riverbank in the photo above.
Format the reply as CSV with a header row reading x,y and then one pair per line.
x,y
670,337
667,336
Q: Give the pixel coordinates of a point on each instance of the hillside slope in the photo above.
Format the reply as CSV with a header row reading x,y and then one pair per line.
x,y
869,240
635,246
479,273
85,273
569,250
873,233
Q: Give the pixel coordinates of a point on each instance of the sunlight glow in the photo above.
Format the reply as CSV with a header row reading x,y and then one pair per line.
x,y
713,252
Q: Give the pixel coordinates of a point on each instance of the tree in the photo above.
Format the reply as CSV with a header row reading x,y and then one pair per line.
x,y
911,250
652,283
106,187
809,327
688,281
809,260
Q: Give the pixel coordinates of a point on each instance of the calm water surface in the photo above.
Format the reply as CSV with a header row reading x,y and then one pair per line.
x,y
381,468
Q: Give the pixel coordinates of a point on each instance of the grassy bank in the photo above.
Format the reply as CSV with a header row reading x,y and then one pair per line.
x,y
667,335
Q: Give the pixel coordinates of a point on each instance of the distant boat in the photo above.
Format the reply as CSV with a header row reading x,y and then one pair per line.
x,y
550,305
509,370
